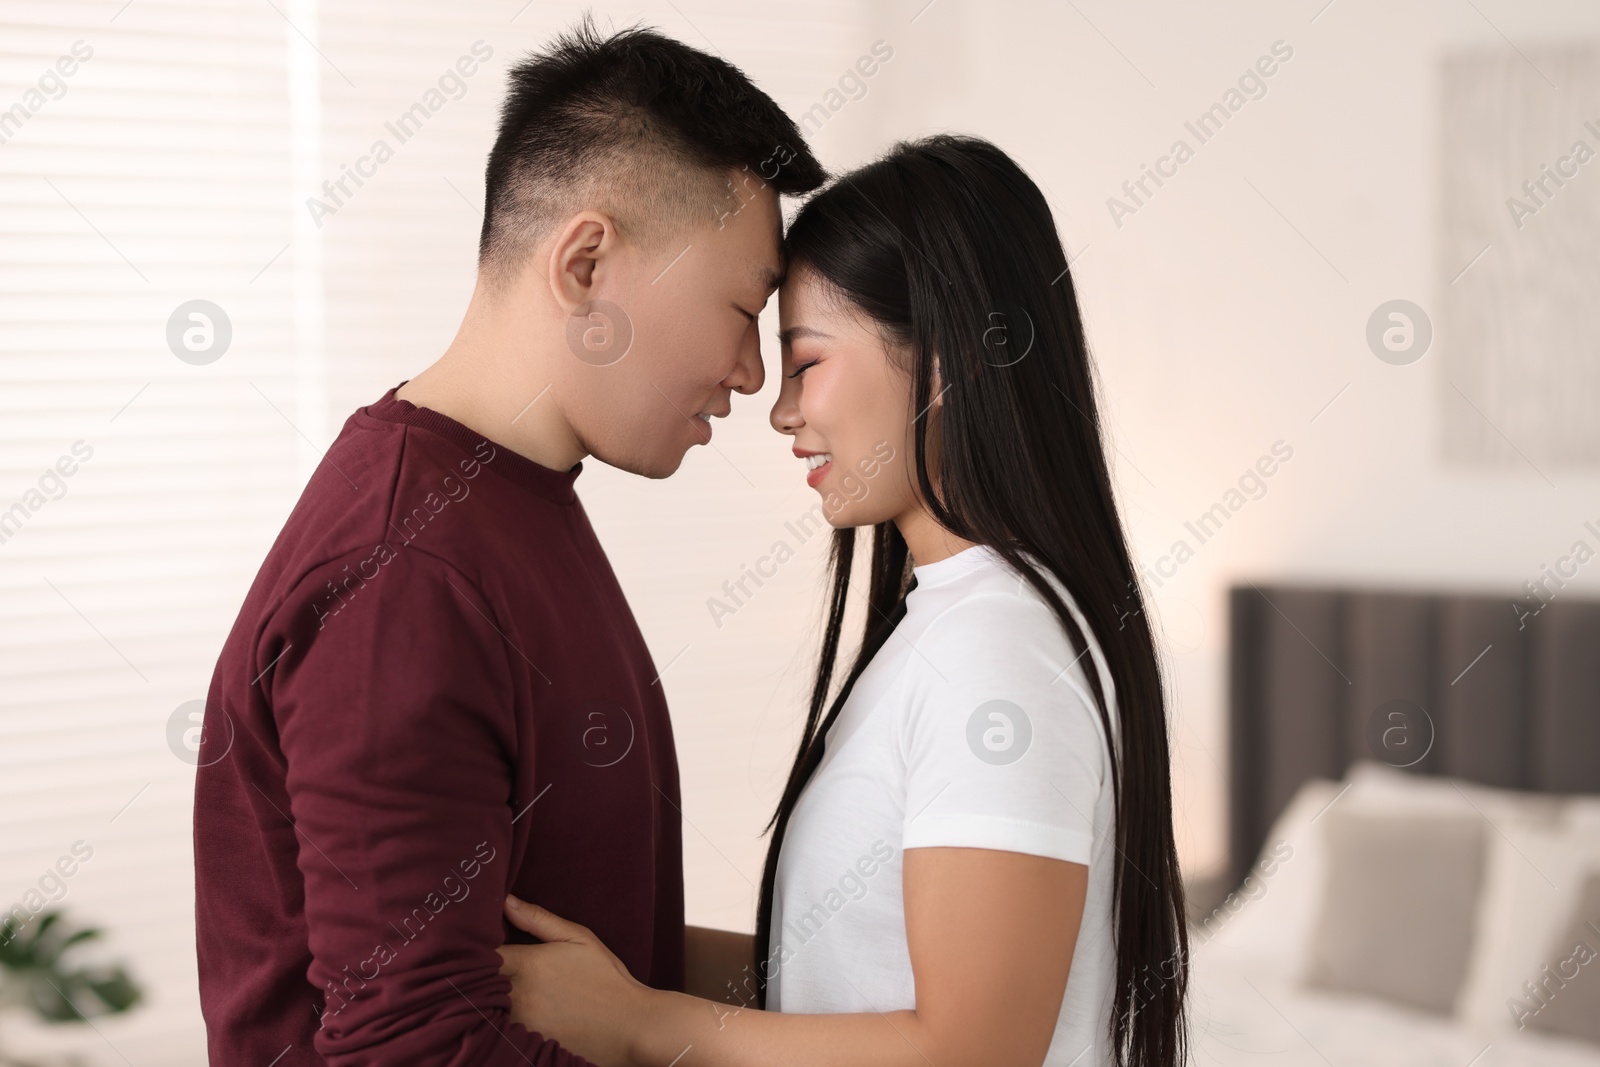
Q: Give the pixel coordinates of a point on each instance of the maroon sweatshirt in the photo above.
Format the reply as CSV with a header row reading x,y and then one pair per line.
x,y
434,694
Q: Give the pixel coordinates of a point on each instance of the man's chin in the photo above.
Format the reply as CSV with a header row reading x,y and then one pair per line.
x,y
659,465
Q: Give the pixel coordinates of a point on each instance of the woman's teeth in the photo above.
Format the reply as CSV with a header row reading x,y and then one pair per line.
x,y
813,462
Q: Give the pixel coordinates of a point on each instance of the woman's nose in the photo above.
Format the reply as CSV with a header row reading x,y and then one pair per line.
x,y
785,412
786,415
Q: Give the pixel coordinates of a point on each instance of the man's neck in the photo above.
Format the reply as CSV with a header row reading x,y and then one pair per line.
x,y
498,394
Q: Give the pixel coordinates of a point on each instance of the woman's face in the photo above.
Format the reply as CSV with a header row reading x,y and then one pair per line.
x,y
843,399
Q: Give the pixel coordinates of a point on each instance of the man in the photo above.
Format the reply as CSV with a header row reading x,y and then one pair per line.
x,y
435,693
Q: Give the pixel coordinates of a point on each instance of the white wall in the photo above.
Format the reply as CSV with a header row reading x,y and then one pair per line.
x,y
1219,329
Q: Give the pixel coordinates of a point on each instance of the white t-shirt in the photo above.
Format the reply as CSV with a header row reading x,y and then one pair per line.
x,y
972,726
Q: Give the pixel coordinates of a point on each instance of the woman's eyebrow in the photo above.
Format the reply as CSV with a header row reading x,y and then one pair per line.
x,y
788,336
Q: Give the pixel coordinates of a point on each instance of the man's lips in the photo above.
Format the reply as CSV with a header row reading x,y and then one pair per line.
x,y
702,420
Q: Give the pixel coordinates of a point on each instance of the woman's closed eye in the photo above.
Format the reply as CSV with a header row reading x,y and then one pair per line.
x,y
801,369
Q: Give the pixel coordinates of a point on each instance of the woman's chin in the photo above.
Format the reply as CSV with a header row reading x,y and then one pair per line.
x,y
851,516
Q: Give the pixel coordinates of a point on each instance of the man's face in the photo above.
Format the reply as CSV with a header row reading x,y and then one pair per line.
x,y
691,309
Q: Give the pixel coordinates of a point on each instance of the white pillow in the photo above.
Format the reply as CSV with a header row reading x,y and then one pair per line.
x,y
1541,846
1423,794
1536,868
1582,813
1265,924
1530,846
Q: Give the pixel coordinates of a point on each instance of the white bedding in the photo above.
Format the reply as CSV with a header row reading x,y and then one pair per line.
x,y
1241,1016
1249,1007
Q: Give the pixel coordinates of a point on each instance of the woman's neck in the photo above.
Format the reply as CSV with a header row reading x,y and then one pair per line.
x,y
927,541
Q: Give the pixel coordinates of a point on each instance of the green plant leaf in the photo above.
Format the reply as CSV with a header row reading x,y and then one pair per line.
x,y
33,971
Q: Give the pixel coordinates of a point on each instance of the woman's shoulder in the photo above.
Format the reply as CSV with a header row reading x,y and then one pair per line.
x,y
994,672
994,629
995,601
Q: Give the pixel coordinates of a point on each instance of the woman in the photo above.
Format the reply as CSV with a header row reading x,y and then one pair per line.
x,y
973,859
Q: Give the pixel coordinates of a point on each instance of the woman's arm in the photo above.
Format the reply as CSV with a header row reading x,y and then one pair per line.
x,y
991,936
718,964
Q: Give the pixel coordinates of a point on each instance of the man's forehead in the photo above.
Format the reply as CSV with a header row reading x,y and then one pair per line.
x,y
772,273
764,266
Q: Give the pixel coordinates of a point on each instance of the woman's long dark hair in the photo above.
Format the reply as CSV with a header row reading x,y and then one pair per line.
x,y
949,248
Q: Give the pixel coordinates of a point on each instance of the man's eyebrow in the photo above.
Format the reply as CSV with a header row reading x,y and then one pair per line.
x,y
772,279
787,336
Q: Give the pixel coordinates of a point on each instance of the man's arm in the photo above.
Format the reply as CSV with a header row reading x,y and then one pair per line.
x,y
719,965
396,723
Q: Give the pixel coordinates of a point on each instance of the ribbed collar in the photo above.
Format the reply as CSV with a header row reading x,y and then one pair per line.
x,y
553,485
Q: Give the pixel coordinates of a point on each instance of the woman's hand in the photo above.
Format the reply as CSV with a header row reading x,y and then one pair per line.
x,y
572,988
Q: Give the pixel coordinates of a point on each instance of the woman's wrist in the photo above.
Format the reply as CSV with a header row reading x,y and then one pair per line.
x,y
664,1023
648,1014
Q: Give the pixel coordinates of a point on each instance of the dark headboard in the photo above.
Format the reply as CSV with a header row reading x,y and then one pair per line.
x,y
1309,669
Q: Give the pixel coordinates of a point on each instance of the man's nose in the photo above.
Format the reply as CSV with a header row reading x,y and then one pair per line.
x,y
748,373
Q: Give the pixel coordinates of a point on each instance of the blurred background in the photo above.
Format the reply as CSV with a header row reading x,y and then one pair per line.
x,y
1373,260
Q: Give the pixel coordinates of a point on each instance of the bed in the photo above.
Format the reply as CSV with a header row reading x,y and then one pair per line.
x,y
1414,833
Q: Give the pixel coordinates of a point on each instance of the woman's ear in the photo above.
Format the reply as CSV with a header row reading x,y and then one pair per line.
x,y
579,258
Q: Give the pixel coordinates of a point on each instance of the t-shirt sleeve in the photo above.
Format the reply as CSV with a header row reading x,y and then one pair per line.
x,y
395,720
1000,737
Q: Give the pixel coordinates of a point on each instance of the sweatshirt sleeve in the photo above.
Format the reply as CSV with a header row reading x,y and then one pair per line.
x,y
393,698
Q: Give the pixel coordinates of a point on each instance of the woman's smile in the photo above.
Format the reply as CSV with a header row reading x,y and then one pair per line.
x,y
818,464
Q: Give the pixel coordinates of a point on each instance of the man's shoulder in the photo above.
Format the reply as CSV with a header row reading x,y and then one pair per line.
x,y
346,501
370,496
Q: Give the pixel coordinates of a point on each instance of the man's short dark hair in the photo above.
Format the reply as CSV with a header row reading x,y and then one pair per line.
x,y
635,124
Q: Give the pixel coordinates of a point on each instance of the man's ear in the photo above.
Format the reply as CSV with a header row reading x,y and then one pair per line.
x,y
579,258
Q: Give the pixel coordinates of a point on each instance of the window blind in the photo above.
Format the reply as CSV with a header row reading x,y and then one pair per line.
x,y
183,331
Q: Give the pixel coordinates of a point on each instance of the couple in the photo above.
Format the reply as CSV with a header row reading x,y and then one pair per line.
x,y
408,849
